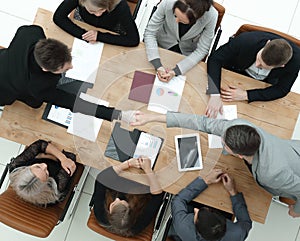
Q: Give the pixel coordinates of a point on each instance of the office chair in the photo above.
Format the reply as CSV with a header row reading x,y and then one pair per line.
x,y
150,233
31,219
134,6
250,28
218,29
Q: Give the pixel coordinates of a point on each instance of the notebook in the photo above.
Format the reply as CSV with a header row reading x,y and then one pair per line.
x,y
141,87
124,144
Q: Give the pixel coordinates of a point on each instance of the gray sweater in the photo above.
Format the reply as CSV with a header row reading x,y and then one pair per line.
x,y
162,31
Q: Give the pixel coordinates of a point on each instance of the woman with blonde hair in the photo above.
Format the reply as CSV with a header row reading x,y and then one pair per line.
x,y
112,15
41,174
125,207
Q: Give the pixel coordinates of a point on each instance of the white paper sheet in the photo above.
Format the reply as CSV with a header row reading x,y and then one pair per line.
x,y
166,96
148,145
85,60
229,113
86,126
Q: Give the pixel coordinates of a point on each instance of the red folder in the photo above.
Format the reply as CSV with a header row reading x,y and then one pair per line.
x,y
141,87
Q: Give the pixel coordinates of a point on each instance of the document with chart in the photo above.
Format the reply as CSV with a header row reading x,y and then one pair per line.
x,y
166,96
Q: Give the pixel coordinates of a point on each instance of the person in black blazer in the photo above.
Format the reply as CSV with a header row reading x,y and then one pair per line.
x,y
261,55
30,69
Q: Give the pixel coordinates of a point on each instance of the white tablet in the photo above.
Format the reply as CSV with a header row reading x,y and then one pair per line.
x,y
188,152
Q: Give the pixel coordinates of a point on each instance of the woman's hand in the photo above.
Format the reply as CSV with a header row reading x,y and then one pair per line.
x,y
145,164
90,36
68,165
133,162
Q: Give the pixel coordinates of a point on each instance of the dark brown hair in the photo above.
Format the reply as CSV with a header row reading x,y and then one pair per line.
x,y
194,9
242,139
123,218
277,52
210,224
51,54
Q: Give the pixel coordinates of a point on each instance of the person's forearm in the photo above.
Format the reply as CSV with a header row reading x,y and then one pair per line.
x,y
155,187
157,118
54,151
121,167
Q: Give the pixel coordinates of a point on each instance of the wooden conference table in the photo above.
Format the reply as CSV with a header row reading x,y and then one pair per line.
x,y
24,125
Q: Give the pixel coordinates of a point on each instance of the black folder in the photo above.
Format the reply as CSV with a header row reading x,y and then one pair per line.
x,y
122,143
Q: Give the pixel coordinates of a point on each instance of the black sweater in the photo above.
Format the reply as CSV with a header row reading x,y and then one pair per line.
x,y
119,20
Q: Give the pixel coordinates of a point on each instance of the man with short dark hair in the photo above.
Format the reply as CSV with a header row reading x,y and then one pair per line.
x,y
261,55
30,69
205,223
274,162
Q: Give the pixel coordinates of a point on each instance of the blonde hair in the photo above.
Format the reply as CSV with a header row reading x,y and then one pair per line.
x,y
109,5
32,189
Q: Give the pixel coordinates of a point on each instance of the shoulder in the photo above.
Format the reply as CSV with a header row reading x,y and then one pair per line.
x,y
167,4
31,30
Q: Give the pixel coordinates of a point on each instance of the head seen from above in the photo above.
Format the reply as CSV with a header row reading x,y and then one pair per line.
x,y
53,56
276,53
188,11
119,215
210,224
98,7
33,184
241,140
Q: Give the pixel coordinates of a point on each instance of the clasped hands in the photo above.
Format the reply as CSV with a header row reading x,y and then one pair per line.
x,y
142,162
165,74
217,175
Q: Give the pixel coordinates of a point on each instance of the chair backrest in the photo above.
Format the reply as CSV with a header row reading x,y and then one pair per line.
x,y
30,219
221,12
134,6
145,235
250,28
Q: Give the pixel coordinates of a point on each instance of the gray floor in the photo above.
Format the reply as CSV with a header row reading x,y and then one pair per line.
x,y
282,16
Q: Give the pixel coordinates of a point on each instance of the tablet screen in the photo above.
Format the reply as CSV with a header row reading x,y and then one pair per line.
x,y
188,152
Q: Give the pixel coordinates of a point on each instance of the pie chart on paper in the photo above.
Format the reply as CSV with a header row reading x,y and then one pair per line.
x,y
160,91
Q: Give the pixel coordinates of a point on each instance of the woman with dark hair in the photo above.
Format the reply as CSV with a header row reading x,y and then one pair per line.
x,y
123,206
183,26
41,174
113,15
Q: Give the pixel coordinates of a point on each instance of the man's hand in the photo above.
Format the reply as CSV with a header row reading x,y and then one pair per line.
x,y
214,106
128,116
213,176
90,36
229,184
233,93
292,212
142,118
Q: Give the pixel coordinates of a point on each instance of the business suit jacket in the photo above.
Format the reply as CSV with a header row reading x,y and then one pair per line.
x,y
275,166
183,221
21,78
162,31
240,53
